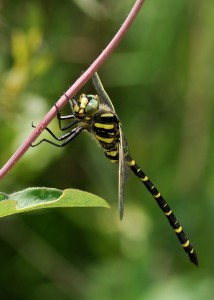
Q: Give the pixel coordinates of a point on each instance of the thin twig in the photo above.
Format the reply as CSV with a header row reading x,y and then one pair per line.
x,y
79,83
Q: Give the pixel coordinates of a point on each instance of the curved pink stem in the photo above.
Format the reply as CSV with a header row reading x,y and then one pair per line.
x,y
79,83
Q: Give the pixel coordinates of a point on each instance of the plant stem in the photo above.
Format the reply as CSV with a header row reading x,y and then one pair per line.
x,y
79,83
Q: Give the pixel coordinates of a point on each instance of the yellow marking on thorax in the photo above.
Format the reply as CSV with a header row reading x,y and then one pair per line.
x,y
112,153
105,140
114,161
107,115
104,126
186,244
76,108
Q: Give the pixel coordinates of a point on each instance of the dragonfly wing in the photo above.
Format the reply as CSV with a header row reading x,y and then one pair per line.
x,y
101,91
121,173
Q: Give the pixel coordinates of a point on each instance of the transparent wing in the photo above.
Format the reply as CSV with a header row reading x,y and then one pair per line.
x,y
101,91
121,172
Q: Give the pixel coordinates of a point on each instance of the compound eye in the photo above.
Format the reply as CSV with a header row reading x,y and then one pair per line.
x,y
92,106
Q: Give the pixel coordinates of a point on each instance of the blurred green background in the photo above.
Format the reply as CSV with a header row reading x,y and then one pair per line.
x,y
160,80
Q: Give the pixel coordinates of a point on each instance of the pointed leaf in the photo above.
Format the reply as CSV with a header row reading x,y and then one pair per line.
x,y
41,197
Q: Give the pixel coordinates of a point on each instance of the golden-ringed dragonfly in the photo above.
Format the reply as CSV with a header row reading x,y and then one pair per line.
x,y
96,115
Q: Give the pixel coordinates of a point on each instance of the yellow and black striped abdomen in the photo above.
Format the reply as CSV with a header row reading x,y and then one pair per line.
x,y
187,246
106,131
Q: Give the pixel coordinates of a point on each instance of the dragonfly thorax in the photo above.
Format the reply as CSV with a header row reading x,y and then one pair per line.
x,y
85,106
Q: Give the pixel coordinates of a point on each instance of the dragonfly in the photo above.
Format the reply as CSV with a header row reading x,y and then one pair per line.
x,y
95,113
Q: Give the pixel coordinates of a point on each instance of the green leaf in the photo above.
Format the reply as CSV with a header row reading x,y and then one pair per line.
x,y
37,198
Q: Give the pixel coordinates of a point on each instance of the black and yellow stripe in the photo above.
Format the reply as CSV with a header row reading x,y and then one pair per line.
x,y
187,246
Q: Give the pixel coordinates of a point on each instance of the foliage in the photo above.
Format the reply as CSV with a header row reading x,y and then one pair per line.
x,y
40,198
160,81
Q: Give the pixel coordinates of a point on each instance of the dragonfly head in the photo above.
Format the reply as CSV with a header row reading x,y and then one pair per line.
x,y
86,105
